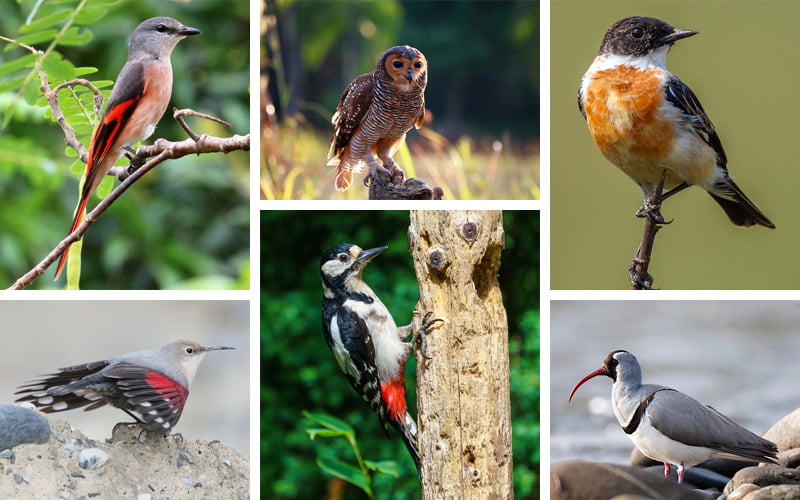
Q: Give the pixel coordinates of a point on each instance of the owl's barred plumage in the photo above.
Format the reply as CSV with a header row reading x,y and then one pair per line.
x,y
374,114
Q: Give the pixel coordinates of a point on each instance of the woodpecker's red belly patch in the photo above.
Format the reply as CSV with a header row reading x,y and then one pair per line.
x,y
394,393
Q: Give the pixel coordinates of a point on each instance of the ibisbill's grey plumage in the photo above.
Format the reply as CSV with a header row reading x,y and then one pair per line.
x,y
151,386
671,427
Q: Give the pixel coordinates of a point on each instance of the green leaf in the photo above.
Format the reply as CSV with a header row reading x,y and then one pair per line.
x,y
13,84
46,21
58,68
312,433
347,472
90,14
384,466
38,37
75,37
84,70
329,422
17,64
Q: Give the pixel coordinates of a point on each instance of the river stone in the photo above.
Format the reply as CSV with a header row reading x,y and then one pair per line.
x,y
92,458
786,431
776,492
790,458
742,491
581,480
20,425
763,476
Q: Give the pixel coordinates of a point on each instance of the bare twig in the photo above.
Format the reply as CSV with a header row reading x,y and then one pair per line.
x,y
162,150
178,115
52,98
651,211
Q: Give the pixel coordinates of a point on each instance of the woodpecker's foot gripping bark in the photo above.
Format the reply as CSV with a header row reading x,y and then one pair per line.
x,y
420,335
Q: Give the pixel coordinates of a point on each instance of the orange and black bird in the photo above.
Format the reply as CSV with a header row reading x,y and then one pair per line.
x,y
646,121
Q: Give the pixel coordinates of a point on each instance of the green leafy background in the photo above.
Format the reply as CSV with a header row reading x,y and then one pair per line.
x,y
184,225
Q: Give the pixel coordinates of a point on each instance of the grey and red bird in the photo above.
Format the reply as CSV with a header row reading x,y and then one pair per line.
x,y
646,121
136,104
151,386
368,345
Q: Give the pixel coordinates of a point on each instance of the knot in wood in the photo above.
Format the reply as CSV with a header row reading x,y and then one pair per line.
x,y
469,231
437,259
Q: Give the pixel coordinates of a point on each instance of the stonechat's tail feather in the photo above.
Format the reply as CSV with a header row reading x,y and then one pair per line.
x,y
741,211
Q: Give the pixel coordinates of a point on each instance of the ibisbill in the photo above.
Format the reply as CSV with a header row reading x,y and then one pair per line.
x,y
669,426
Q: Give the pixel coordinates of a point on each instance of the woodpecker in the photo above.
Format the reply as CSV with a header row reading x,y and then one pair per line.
x,y
150,386
369,347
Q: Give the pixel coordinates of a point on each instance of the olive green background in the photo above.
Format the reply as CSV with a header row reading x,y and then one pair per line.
x,y
744,68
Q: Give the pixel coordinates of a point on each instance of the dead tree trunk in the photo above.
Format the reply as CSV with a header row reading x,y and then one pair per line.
x,y
463,401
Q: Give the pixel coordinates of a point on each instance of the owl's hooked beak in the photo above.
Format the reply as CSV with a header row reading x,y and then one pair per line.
x,y
409,75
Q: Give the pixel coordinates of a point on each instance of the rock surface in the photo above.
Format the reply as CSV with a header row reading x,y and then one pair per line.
x,y
154,468
20,425
763,476
581,480
786,431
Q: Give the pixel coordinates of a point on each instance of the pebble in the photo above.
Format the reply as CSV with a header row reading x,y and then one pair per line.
x,y
72,447
742,491
92,458
790,458
786,432
64,495
191,483
775,492
20,425
186,456
763,476
144,496
579,480
7,453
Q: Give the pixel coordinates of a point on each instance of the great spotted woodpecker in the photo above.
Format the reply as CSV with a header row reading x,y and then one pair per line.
x,y
369,347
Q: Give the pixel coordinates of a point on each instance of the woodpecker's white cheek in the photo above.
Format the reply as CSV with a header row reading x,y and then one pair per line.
x,y
333,268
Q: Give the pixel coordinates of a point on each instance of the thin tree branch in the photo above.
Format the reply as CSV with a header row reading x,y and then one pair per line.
x,y
162,150
651,211
70,139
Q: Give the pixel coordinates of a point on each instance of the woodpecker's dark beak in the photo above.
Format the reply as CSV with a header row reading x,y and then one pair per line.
x,y
367,255
678,34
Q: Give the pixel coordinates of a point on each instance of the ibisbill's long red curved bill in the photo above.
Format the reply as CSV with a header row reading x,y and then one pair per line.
x,y
596,373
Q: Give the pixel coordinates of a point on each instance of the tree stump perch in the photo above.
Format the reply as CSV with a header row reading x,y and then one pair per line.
x,y
463,398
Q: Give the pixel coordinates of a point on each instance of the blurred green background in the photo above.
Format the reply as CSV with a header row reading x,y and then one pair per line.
x,y
739,69
185,224
298,371
482,93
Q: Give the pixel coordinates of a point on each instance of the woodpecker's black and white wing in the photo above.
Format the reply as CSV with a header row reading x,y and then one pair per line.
x,y
66,390
151,397
349,339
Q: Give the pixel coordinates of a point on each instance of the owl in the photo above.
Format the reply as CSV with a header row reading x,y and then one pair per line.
x,y
374,114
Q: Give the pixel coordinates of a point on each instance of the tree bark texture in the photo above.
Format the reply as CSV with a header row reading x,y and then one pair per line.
x,y
463,400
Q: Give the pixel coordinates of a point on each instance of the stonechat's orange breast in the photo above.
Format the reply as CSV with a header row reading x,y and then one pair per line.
x,y
624,109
